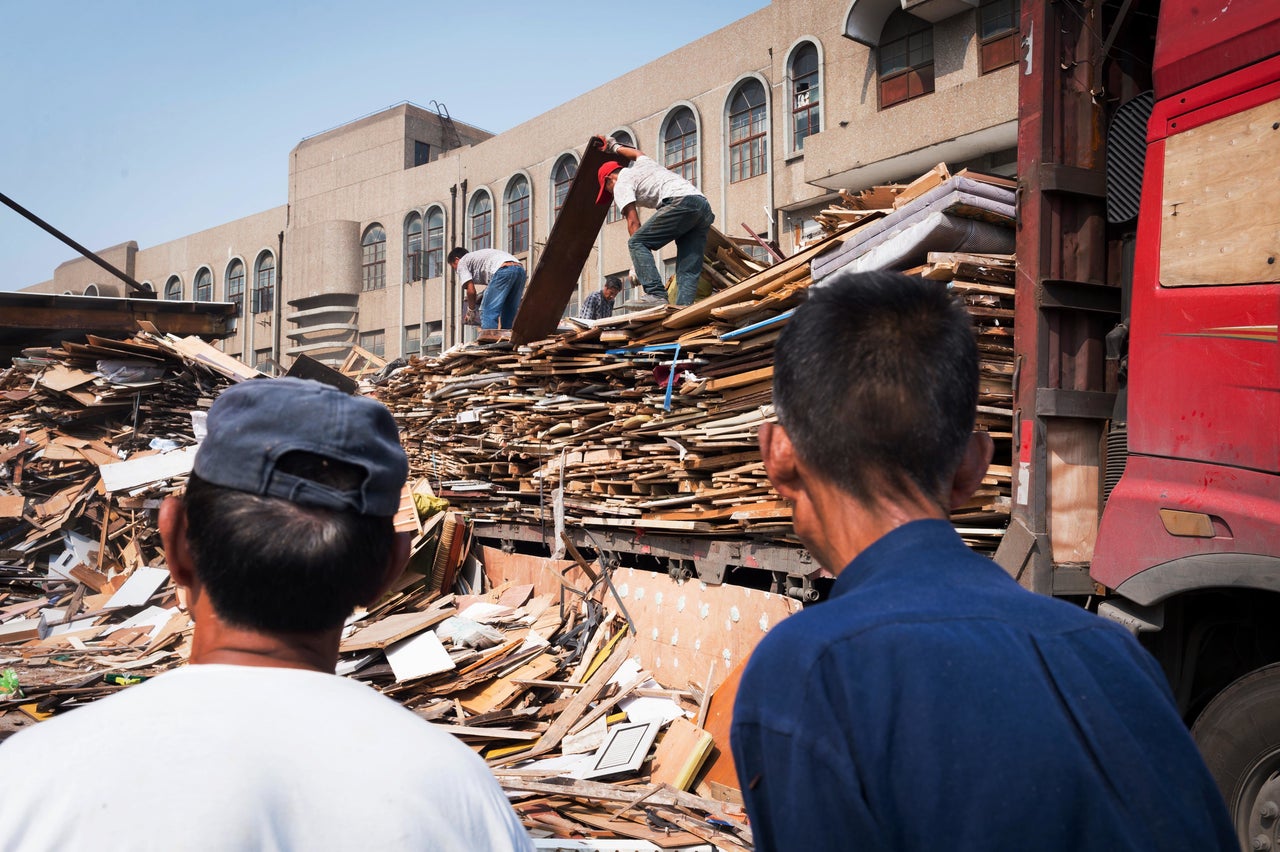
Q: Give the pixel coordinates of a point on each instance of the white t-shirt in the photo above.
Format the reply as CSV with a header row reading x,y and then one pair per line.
x,y
646,183
216,757
479,265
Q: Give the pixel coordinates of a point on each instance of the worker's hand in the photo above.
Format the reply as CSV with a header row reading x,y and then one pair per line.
x,y
471,317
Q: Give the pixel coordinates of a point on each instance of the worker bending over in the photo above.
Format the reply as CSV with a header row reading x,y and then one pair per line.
x,y
682,216
502,276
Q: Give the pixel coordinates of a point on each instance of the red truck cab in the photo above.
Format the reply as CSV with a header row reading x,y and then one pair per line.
x,y
1147,392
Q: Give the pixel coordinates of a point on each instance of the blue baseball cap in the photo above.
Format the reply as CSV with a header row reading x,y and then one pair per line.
x,y
253,425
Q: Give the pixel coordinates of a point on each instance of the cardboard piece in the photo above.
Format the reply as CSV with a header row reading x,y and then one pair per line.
x,y
418,656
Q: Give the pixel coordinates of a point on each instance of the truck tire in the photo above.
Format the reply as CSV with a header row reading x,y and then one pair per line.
x,y
1239,735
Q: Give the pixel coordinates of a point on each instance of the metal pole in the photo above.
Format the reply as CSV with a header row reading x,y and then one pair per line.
x,y
138,289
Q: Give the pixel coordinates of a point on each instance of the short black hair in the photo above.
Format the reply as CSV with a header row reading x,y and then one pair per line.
x,y
613,282
276,566
876,382
457,254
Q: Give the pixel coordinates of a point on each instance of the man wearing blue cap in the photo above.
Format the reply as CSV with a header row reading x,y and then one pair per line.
x,y
285,528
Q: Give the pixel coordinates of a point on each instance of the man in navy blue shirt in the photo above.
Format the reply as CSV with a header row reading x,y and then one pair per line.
x,y
931,702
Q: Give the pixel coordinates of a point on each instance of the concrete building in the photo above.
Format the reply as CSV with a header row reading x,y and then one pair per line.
x,y
770,116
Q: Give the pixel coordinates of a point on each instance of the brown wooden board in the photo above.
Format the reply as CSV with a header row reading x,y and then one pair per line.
x,y
573,234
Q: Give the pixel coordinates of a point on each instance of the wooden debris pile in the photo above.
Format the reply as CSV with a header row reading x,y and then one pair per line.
x,y
645,420
554,676
92,435
867,205
551,670
648,421
985,284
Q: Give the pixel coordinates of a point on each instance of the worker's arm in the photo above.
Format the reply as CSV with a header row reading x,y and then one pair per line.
x,y
632,217
612,146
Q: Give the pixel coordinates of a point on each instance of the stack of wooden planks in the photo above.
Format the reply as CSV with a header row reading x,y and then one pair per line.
x,y
985,284
543,667
648,421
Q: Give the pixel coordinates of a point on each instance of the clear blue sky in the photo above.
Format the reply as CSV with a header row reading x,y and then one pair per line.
x,y
151,120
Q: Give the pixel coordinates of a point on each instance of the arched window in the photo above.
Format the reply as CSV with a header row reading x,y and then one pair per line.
x,y
413,270
480,212
92,290
435,243
517,203
680,144
202,290
264,283
148,286
373,258
748,128
561,177
905,59
806,94
235,289
173,288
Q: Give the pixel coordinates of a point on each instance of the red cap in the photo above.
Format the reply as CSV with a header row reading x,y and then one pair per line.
x,y
605,196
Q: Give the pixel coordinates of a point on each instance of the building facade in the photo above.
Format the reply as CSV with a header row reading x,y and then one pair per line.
x,y
770,116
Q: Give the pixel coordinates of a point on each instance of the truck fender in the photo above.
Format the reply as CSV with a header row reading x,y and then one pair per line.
x,y
1202,571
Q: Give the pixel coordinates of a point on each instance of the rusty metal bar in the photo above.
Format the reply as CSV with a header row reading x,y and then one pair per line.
x,y
138,290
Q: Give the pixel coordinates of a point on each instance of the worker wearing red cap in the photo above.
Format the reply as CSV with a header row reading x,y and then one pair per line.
x,y
683,216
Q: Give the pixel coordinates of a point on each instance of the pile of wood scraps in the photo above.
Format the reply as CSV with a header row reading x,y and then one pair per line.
x,y
648,421
985,284
92,436
569,678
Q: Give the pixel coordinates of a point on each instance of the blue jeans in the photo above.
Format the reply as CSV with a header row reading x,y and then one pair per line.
x,y
502,297
685,221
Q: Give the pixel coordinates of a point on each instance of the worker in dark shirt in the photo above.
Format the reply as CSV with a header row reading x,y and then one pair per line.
x,y
599,305
931,701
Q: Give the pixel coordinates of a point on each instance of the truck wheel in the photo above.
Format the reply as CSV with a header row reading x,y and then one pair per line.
x,y
1239,736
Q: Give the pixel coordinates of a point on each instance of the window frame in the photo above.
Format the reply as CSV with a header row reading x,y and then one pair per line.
x,y
374,342
235,289
262,298
433,261
748,139
172,293
998,48
811,109
914,79
562,175
517,213
480,239
689,140
412,257
202,285
373,258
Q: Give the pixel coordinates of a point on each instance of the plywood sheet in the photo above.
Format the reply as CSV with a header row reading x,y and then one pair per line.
x,y
687,630
543,574
1073,447
573,235
680,754
1211,232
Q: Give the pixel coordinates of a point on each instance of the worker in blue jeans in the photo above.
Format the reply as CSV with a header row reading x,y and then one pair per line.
x,y
683,216
501,274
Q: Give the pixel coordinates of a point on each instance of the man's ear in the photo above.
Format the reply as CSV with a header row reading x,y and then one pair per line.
x,y
973,467
172,524
780,461
399,558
